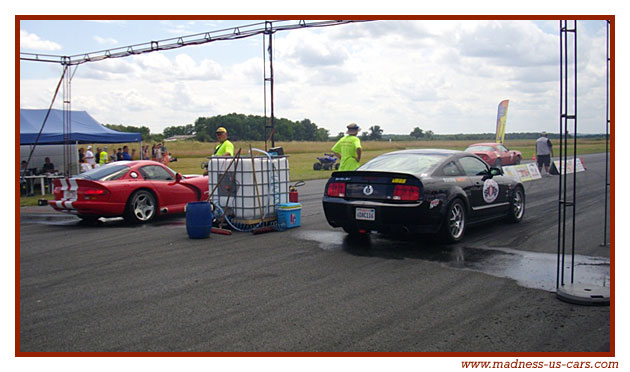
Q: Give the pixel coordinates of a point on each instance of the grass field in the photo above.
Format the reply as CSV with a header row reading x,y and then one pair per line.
x,y
302,155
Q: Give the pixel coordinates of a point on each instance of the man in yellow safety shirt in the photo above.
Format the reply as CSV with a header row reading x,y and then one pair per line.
x,y
225,147
103,156
348,149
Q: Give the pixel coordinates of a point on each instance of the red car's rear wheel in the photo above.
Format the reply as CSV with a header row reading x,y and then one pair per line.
x,y
141,207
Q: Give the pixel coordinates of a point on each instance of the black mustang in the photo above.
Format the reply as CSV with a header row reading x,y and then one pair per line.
x,y
422,191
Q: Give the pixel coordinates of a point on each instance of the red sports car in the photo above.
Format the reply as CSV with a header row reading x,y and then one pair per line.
x,y
495,154
136,190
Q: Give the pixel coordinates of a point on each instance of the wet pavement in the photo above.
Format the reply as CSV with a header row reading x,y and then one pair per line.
x,y
529,269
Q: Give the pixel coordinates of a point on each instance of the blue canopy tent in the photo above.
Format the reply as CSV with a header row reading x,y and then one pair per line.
x,y
84,129
51,142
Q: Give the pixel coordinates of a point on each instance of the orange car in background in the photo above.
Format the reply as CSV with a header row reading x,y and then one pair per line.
x,y
495,154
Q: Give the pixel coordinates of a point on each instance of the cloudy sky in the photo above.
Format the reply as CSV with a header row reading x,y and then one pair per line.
x,y
440,75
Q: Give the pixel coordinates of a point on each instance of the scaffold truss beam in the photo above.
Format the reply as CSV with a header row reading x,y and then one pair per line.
x,y
232,33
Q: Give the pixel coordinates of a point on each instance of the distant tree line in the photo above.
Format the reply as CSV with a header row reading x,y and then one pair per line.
x,y
252,127
143,130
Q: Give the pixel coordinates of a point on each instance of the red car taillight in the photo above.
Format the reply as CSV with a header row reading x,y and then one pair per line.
x,y
93,193
336,190
403,192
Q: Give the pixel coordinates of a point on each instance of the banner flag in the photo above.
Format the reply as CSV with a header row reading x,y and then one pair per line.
x,y
501,117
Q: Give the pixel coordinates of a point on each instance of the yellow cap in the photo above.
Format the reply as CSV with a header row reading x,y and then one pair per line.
x,y
221,130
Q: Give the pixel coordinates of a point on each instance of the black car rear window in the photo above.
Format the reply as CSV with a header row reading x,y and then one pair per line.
x,y
404,163
106,173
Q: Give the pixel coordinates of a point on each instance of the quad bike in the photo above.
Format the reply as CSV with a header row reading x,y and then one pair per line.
x,y
326,162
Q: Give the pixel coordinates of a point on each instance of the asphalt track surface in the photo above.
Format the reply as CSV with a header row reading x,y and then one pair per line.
x,y
109,287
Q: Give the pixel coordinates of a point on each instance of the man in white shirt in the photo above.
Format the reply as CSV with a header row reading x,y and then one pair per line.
x,y
544,152
89,157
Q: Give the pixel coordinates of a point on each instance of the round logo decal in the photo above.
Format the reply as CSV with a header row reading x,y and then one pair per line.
x,y
368,190
490,190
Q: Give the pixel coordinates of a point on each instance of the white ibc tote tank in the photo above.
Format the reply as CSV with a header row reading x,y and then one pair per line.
x,y
250,187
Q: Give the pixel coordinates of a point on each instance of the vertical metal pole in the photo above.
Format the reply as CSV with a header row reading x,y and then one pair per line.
x,y
606,181
575,153
67,123
269,50
273,144
265,91
558,266
563,203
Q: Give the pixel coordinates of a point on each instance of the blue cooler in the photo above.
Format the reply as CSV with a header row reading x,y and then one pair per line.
x,y
289,214
198,220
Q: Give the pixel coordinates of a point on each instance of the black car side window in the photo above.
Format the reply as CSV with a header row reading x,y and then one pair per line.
x,y
473,166
451,170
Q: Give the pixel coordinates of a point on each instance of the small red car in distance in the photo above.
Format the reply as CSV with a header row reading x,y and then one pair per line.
x,y
135,190
495,154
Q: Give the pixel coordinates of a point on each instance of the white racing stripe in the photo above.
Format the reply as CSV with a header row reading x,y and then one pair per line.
x,y
67,185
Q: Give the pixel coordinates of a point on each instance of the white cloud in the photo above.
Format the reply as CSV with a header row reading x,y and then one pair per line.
x,y
32,42
105,40
154,67
445,76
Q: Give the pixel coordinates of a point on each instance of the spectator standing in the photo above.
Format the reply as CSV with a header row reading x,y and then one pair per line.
x,y
125,153
348,149
145,152
89,157
164,155
119,154
158,153
113,156
81,155
133,154
103,156
544,152
225,147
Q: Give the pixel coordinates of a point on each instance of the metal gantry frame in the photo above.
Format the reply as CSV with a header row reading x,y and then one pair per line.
x,y
265,28
578,293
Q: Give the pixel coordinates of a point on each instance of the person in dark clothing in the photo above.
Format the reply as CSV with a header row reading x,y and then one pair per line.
x,y
48,166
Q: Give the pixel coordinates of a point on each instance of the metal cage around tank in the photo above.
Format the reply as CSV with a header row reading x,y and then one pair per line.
x,y
248,192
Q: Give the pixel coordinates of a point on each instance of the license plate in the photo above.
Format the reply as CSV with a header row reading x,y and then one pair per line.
x,y
365,214
70,194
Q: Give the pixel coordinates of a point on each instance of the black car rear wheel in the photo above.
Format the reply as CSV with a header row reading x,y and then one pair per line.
x,y
517,206
141,207
455,221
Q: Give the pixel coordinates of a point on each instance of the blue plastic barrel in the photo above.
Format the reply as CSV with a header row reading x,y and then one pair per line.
x,y
198,220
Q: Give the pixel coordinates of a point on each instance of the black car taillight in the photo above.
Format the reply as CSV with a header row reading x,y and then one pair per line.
x,y
404,192
336,189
